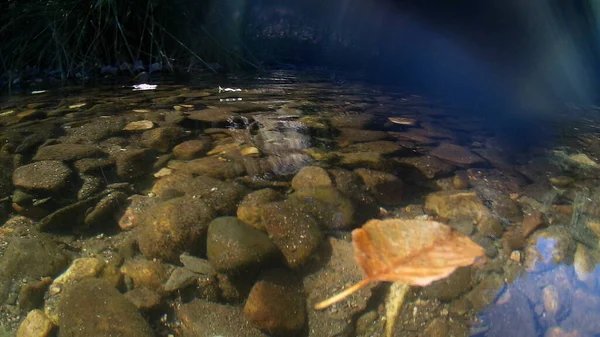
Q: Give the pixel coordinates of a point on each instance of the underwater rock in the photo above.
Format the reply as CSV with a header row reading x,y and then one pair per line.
x,y
457,205
200,318
515,317
486,291
358,135
132,163
311,176
179,279
90,185
217,115
372,160
103,215
197,265
164,138
36,324
295,233
456,155
143,298
430,167
327,205
384,147
385,187
146,273
92,307
66,152
213,166
276,304
360,121
42,176
95,131
249,210
548,247
450,288
234,247
30,258
165,231
191,149
142,125
222,196
339,270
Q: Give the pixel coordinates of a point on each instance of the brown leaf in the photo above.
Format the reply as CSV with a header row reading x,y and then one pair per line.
x,y
415,252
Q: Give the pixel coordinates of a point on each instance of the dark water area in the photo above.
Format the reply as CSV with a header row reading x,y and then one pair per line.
x,y
223,205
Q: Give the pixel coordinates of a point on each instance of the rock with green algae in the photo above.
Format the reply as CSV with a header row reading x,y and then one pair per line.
x,y
327,205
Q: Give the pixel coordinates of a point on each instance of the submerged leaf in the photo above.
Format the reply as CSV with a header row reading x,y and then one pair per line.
x,y
415,252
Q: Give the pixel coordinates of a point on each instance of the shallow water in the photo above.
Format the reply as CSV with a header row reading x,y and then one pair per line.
x,y
121,189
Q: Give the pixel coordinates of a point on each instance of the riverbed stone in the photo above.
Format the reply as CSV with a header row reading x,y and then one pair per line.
x,y
295,233
384,147
338,271
385,187
358,135
66,152
164,138
327,205
212,166
92,307
191,149
29,258
276,303
165,231
233,246
132,163
456,154
457,205
250,208
311,176
430,167
450,288
43,176
36,324
201,318
549,247
222,196
514,317
146,273
359,121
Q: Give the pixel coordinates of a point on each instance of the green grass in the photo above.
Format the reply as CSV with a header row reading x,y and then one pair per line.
x,y
71,36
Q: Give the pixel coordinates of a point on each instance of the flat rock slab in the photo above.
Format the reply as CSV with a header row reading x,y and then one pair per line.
x,y
66,152
211,115
45,176
456,154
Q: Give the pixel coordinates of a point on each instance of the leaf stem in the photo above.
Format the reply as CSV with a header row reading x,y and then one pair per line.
x,y
341,295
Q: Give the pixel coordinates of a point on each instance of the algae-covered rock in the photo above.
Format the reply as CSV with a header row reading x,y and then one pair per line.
x,y
29,258
311,176
385,187
276,304
329,206
249,210
166,231
92,307
233,246
164,138
293,231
